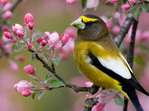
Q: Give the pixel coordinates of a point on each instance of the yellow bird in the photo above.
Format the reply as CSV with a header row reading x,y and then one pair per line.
x,y
98,57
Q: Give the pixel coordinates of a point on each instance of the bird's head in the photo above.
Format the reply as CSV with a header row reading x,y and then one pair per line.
x,y
90,27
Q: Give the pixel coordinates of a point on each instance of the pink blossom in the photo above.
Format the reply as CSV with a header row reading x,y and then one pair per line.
x,y
20,33
28,18
48,34
15,87
116,29
23,86
17,27
29,46
29,69
8,6
58,46
8,35
64,38
114,1
71,32
71,2
43,42
21,58
53,40
132,1
7,15
117,15
88,84
14,66
68,47
5,28
92,3
63,56
8,48
3,2
108,24
126,6
14,41
30,25
26,93
40,39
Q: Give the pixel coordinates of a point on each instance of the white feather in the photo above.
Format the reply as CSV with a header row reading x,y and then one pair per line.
x,y
117,66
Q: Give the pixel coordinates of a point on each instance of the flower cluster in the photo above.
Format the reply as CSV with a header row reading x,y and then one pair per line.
x,y
6,7
51,47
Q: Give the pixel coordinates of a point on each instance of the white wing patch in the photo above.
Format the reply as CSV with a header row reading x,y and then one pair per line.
x,y
117,66
126,63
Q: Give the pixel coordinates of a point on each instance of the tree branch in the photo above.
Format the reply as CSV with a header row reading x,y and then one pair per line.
x,y
124,30
130,57
15,4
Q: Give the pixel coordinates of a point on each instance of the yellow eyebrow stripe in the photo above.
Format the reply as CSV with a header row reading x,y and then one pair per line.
x,y
86,19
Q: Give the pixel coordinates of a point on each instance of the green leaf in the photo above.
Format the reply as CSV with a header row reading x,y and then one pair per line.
x,y
17,47
136,12
145,7
56,60
40,94
47,78
83,3
139,60
33,95
118,100
33,56
56,83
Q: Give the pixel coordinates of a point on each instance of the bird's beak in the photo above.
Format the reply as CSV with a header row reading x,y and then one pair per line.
x,y
78,24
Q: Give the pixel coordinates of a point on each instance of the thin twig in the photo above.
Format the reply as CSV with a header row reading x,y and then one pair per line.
x,y
124,30
130,57
15,4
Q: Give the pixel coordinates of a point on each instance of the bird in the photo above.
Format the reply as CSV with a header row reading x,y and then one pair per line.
x,y
99,59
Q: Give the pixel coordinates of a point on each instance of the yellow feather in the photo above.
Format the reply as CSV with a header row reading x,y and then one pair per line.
x,y
98,77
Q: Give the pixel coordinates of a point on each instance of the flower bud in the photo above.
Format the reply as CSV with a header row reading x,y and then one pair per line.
x,y
5,28
8,35
26,93
23,86
43,42
3,2
29,69
21,58
108,24
14,66
29,46
7,7
71,2
64,38
126,6
7,15
132,1
116,29
40,39
20,33
8,47
28,18
58,46
15,87
114,1
30,25
53,39
17,27
92,3
71,32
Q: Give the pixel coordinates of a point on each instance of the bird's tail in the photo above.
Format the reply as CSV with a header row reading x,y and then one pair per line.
x,y
134,98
